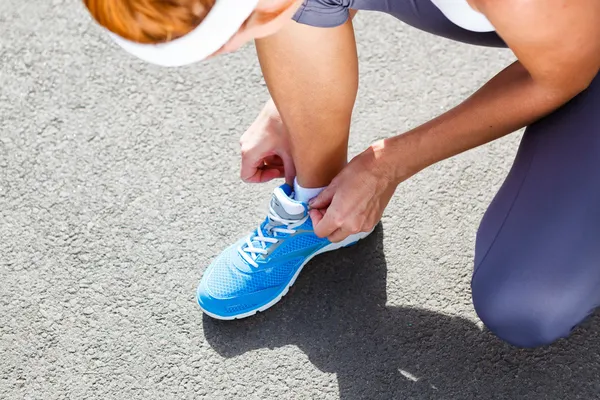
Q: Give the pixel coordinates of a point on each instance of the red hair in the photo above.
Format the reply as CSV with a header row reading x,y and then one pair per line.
x,y
149,21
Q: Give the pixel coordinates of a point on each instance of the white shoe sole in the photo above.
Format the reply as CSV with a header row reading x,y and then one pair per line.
x,y
334,246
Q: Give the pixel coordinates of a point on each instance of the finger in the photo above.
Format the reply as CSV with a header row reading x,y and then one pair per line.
x,y
326,225
273,161
248,174
269,173
316,216
338,236
323,200
250,168
262,175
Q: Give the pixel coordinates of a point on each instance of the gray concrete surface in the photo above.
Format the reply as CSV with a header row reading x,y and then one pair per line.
x,y
118,185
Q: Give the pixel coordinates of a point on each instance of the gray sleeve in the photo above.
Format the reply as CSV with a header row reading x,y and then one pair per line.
x,y
323,13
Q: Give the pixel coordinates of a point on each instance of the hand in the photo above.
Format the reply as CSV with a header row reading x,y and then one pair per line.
x,y
355,200
266,150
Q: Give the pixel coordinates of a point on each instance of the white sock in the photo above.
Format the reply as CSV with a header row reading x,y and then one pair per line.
x,y
304,195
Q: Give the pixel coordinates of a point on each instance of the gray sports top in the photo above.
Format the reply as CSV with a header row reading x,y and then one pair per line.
x,y
330,13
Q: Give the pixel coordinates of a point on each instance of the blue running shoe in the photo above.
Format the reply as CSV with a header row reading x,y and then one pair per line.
x,y
257,271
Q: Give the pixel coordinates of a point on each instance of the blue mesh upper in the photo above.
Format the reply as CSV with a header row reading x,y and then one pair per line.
x,y
298,243
230,277
227,281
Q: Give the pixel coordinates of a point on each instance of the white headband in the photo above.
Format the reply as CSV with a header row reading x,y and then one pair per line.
x,y
221,23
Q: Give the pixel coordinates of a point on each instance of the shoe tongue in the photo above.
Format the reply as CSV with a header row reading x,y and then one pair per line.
x,y
285,207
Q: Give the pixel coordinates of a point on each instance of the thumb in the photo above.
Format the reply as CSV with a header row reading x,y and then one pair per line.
x,y
323,200
269,173
250,167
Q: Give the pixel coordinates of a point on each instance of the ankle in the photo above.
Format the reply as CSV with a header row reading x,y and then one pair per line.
x,y
303,194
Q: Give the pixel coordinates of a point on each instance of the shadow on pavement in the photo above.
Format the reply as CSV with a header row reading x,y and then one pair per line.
x,y
336,313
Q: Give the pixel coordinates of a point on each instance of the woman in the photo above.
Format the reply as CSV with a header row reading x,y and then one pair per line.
x,y
537,272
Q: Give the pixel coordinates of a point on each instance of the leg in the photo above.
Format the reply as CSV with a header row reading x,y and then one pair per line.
x,y
314,85
537,262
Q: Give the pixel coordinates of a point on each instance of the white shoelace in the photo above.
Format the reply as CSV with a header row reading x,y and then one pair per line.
x,y
250,253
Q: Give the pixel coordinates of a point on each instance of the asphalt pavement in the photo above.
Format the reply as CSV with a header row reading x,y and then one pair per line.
x,y
119,184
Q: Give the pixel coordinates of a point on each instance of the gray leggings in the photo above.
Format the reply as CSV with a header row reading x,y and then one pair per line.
x,y
537,257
